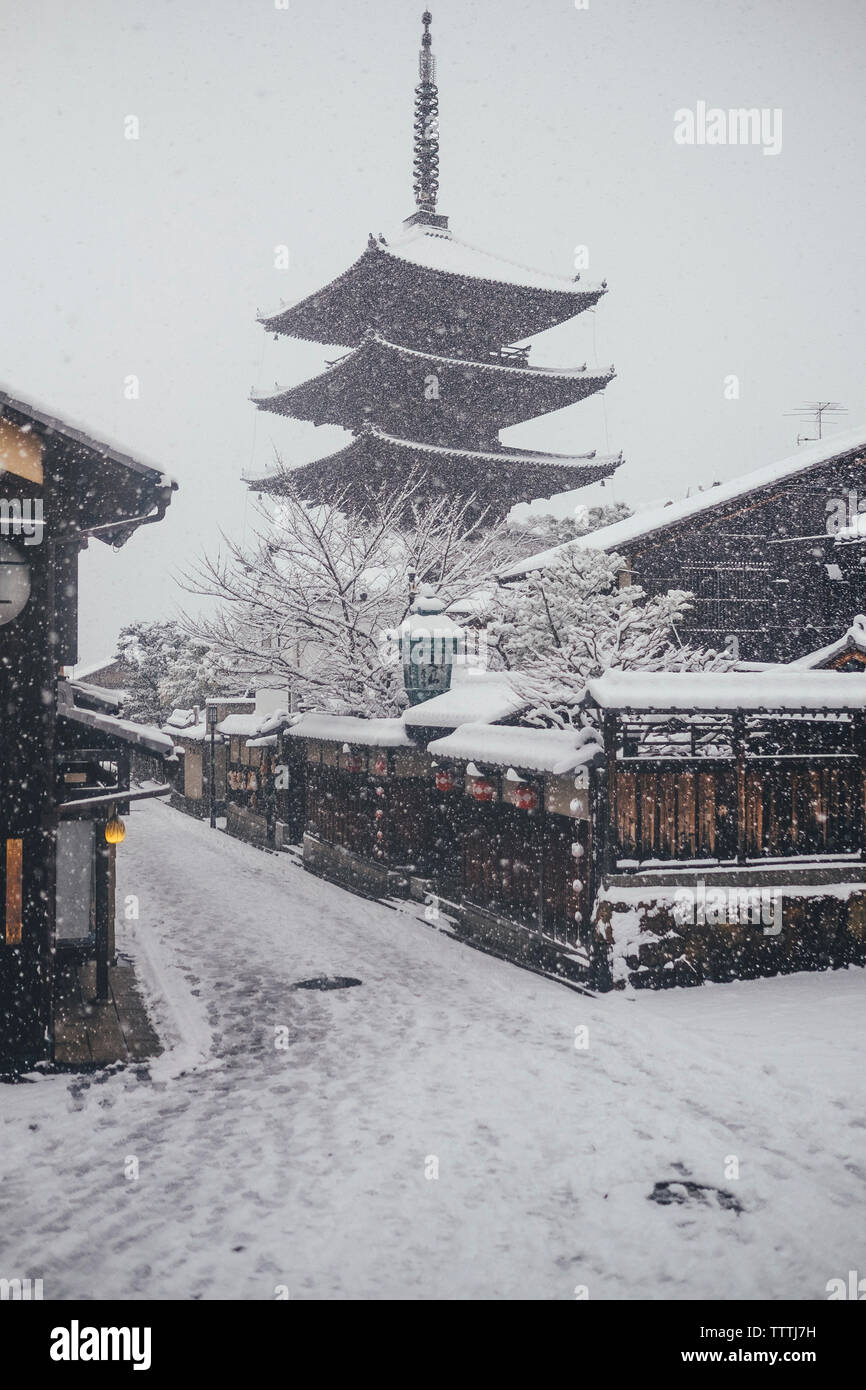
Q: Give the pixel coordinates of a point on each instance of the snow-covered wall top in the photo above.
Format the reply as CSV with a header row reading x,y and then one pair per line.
x,y
480,697
536,750
347,728
688,691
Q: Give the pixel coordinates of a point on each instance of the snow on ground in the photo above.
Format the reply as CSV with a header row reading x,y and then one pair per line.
x,y
305,1167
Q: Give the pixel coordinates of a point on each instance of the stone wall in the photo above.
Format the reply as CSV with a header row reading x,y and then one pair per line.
x,y
646,943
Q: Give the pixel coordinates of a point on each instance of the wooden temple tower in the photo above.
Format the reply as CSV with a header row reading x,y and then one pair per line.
x,y
432,372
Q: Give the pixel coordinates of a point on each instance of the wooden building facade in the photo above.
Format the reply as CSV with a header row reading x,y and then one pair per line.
x,y
773,558
58,488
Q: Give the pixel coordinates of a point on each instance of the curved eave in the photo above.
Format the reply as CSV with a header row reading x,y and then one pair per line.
x,y
512,393
384,290
398,456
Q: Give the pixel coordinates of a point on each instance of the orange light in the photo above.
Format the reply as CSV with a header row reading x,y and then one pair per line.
x,y
115,831
14,891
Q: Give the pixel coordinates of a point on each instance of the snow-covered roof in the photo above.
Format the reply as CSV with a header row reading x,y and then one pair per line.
x,y
126,730
602,465
645,523
533,750
854,639
89,668
513,370
188,724
240,725
472,604
99,694
272,723
690,691
475,697
348,728
78,435
437,248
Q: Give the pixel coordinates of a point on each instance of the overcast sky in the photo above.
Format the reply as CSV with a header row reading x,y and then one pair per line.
x,y
261,126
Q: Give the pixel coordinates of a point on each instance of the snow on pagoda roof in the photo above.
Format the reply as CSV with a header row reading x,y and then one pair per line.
x,y
692,691
853,640
522,371
348,728
553,751
475,696
602,465
646,523
437,248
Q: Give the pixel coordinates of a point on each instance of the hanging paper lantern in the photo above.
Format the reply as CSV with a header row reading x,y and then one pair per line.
x,y
115,831
525,797
483,790
445,780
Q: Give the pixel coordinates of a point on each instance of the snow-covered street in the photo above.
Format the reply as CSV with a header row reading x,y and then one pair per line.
x,y
312,1165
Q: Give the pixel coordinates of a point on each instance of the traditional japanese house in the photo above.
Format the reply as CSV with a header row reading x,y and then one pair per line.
x,y
771,557
202,750
517,801
59,487
369,802
432,369
264,778
730,784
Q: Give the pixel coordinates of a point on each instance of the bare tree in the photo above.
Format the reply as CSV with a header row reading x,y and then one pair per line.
x,y
315,595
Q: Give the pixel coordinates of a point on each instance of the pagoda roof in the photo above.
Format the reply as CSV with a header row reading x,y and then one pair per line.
x,y
381,371
426,278
374,459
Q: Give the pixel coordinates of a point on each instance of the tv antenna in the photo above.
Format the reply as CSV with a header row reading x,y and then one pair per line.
x,y
814,412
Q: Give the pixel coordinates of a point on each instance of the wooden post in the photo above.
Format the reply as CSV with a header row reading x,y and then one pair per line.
x,y
541,831
739,747
102,909
608,848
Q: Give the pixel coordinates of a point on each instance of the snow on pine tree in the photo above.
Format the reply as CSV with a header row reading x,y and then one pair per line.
x,y
546,529
572,621
318,595
165,669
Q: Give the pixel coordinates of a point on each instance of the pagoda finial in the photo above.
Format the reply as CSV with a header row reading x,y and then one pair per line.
x,y
426,145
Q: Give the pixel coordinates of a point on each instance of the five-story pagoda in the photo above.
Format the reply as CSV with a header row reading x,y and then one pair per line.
x,y
432,373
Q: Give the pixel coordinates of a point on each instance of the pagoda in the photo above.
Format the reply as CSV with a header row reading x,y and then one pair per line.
x,y
433,370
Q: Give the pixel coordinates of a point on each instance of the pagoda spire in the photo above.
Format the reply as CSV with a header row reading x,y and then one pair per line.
x,y
425,164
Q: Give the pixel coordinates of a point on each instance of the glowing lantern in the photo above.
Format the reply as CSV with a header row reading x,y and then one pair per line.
x,y
115,831
525,797
444,781
483,790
